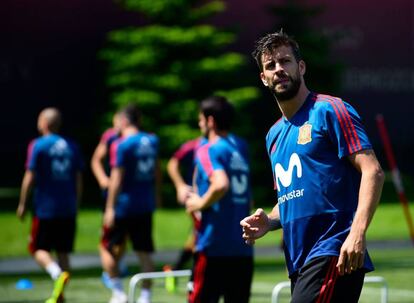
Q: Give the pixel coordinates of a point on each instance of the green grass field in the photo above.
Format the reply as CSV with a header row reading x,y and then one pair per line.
x,y
171,230
396,266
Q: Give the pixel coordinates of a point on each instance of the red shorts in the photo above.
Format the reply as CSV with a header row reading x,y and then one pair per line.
x,y
138,229
215,277
319,281
56,234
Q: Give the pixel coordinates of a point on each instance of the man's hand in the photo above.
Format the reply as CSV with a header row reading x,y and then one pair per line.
x,y
21,211
255,226
104,183
183,192
109,217
352,254
193,203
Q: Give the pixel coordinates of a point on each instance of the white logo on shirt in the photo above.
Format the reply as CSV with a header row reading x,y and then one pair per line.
x,y
239,180
284,177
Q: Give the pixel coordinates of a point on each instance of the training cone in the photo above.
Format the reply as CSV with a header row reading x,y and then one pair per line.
x,y
169,280
24,284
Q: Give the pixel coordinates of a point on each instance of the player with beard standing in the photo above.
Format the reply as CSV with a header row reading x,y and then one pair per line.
x,y
327,178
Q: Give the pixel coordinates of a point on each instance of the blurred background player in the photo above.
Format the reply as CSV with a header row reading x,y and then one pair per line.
x,y
54,167
180,168
223,264
101,169
100,158
132,198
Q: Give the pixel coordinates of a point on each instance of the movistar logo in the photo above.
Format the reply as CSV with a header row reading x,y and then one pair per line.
x,y
284,177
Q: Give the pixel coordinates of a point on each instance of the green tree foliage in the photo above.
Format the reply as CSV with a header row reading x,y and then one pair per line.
x,y
172,63
168,65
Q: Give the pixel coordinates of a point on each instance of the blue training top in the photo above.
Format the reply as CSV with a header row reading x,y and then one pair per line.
x,y
317,186
55,162
137,155
219,233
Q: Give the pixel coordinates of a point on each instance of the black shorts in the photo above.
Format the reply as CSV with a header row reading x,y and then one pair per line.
x,y
319,281
138,229
229,277
52,234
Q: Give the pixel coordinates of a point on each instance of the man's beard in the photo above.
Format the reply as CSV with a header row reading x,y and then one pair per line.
x,y
288,93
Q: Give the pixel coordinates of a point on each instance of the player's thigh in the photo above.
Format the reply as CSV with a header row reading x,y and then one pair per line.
x,y
319,281
64,230
207,280
40,235
140,232
313,280
237,284
348,287
113,239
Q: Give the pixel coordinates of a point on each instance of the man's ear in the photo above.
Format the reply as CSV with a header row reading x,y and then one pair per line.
x,y
262,77
210,122
302,67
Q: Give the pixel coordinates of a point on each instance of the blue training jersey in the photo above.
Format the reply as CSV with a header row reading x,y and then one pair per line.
x,y
55,162
317,186
137,155
219,231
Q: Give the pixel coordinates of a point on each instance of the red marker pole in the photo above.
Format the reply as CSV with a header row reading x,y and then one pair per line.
x,y
396,176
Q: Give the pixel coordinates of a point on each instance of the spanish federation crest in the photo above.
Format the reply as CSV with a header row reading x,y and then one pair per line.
x,y
305,134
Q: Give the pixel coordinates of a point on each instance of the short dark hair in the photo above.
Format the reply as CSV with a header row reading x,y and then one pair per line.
x,y
269,42
132,113
220,109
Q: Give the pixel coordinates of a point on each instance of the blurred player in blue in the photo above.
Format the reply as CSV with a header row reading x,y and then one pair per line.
x,y
132,199
53,167
101,169
223,264
100,158
327,178
180,168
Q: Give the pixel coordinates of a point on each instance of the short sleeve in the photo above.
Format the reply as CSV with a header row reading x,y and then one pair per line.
x,y
345,128
107,135
116,157
186,150
209,160
32,155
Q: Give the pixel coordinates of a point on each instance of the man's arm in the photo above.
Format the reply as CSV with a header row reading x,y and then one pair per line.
x,y
182,189
117,175
27,185
257,225
219,185
372,178
97,166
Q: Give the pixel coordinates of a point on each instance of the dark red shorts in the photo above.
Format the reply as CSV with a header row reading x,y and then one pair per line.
x,y
215,277
319,281
52,234
138,229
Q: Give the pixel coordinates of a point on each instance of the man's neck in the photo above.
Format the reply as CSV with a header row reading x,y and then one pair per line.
x,y
46,132
213,135
290,107
129,131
